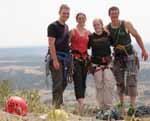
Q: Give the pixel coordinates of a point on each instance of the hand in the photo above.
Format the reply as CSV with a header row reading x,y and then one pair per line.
x,y
89,58
106,30
144,55
56,64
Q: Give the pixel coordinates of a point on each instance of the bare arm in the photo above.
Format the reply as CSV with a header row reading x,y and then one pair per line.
x,y
70,35
51,41
138,38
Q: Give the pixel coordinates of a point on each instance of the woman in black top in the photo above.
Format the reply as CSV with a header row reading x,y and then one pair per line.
x,y
100,43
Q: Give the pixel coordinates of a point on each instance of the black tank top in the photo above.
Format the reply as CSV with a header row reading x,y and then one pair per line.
x,y
120,37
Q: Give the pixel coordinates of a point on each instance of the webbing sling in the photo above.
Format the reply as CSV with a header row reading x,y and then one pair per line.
x,y
120,46
67,59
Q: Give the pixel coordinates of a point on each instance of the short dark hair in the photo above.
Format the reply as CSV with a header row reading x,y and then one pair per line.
x,y
78,14
63,6
113,8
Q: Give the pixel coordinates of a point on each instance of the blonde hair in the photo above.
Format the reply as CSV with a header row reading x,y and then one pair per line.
x,y
98,19
63,6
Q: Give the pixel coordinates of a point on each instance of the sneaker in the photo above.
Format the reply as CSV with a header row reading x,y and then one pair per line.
x,y
116,115
131,110
104,115
107,115
100,115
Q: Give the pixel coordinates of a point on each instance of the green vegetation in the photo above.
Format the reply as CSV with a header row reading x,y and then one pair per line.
x,y
37,107
32,97
5,91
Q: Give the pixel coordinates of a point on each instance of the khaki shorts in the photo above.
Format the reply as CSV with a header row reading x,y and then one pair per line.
x,y
126,76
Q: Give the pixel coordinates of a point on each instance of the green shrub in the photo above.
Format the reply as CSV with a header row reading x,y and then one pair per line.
x,y
5,91
32,97
33,100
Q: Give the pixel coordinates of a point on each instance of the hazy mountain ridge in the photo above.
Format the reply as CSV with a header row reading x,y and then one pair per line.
x,y
26,67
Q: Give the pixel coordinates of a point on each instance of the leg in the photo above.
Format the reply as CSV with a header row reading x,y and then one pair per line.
x,y
84,76
83,85
133,66
99,88
132,88
64,80
121,98
77,79
119,75
109,86
132,92
79,84
57,86
133,100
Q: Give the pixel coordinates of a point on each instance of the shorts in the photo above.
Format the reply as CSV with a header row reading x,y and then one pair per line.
x,y
126,75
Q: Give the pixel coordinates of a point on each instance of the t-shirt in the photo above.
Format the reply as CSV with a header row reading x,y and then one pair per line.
x,y
100,44
61,34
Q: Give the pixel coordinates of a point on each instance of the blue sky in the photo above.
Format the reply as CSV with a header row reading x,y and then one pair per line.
x,y
24,22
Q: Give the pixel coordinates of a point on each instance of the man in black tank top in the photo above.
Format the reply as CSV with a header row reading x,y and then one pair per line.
x,y
124,55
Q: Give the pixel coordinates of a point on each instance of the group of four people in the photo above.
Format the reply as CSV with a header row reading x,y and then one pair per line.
x,y
62,42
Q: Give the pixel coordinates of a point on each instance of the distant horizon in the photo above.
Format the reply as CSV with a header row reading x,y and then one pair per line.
x,y
36,46
26,46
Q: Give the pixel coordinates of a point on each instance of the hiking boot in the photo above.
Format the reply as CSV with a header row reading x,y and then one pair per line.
x,y
131,110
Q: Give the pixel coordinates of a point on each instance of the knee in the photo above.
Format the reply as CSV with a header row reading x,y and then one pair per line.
x,y
132,81
57,86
